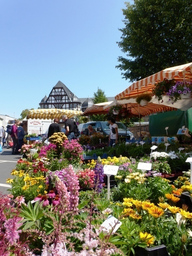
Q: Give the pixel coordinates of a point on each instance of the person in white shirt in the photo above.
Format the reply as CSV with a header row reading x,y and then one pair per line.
x,y
113,135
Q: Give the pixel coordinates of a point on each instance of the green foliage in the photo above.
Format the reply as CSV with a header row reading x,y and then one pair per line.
x,y
99,97
133,190
162,167
32,215
24,113
98,117
158,187
156,36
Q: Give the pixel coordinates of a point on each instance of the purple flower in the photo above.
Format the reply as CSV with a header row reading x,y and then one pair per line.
x,y
99,177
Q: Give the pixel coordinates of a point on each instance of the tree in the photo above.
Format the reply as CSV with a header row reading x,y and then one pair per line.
x,y
24,113
99,96
157,35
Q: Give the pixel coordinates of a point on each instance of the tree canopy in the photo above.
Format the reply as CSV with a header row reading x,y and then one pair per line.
x,y
24,113
157,35
99,96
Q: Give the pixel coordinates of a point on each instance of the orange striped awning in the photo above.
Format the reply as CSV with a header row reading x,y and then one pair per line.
x,y
146,85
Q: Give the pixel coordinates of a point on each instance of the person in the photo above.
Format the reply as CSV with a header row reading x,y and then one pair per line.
x,y
2,134
113,135
91,130
54,127
14,137
20,136
71,129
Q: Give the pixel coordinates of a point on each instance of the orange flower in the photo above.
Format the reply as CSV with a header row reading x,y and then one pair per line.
x,y
155,211
135,216
137,203
128,211
178,192
146,205
172,198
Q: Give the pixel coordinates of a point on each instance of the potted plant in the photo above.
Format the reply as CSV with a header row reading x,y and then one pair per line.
x,y
162,88
143,99
115,109
179,90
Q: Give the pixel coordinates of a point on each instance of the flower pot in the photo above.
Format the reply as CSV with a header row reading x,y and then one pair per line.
x,y
159,250
115,112
143,103
186,95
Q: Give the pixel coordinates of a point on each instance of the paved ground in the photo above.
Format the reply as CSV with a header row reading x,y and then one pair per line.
x,y
7,164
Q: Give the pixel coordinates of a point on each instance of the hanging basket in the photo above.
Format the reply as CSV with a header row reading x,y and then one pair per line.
x,y
143,103
186,95
115,112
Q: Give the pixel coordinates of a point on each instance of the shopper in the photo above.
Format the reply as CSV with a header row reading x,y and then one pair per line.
x,y
54,127
71,129
113,135
20,136
14,137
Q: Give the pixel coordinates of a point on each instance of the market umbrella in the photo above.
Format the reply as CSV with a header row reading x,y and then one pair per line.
x,y
135,109
52,113
146,85
99,108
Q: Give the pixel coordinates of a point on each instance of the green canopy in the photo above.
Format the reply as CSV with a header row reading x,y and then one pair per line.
x,y
172,119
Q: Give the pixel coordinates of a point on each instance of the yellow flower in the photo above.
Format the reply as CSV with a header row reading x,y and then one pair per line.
x,y
187,187
135,216
155,211
128,211
25,187
14,172
118,177
146,205
127,180
137,203
187,215
164,205
146,237
40,186
128,204
174,209
9,181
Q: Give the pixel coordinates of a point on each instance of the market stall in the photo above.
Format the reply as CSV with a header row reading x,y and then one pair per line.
x,y
146,85
52,113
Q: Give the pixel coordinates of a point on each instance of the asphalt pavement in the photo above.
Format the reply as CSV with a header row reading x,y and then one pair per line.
x,y
7,164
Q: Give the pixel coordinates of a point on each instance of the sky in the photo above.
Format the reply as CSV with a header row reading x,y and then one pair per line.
x,y
45,41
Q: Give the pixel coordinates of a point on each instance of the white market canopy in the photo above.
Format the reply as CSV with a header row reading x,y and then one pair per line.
x,y
52,113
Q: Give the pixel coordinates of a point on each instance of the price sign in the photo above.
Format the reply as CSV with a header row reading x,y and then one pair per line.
x,y
111,223
111,169
144,166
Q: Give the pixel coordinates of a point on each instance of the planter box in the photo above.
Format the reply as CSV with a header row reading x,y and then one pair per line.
x,y
159,250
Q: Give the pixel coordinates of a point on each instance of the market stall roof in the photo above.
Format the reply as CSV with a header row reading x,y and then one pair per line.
x,y
135,109
99,108
146,85
52,113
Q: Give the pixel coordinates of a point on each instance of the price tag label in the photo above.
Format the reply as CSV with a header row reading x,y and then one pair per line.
x,y
111,223
144,166
110,169
189,160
